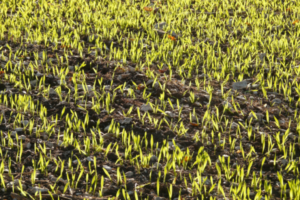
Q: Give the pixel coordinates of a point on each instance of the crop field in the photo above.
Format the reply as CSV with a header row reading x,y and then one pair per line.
x,y
156,100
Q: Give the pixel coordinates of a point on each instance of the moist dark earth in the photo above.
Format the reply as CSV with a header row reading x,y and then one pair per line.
x,y
219,121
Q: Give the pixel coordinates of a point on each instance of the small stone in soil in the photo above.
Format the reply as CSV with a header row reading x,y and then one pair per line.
x,y
129,174
239,85
153,159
